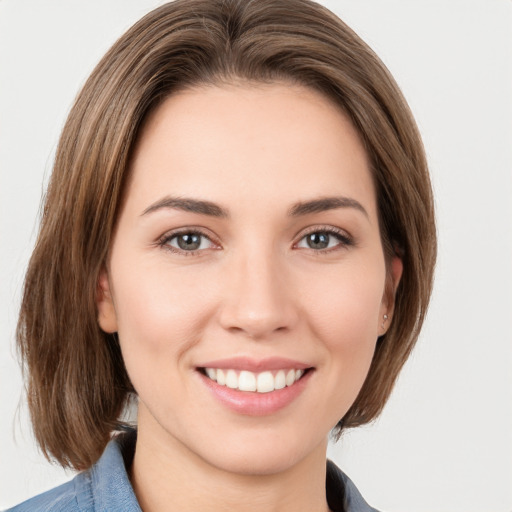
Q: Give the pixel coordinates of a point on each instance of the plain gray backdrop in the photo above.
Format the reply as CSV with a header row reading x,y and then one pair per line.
x,y
444,442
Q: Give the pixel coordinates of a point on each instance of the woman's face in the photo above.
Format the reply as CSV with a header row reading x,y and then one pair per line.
x,y
247,251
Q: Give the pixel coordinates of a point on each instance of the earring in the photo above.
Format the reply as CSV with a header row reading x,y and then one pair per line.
x,y
384,321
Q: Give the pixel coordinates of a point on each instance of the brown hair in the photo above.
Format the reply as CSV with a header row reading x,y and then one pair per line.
x,y
77,383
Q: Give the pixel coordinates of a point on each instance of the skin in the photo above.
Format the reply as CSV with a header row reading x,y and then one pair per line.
x,y
255,287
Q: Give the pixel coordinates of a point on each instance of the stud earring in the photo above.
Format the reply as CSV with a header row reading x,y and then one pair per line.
x,y
384,321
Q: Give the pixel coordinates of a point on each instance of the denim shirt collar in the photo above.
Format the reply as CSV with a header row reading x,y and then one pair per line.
x,y
106,486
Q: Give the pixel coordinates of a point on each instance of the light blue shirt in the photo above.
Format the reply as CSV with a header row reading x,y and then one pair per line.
x,y
106,488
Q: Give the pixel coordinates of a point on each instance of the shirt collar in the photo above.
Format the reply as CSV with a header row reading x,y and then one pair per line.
x,y
108,486
108,481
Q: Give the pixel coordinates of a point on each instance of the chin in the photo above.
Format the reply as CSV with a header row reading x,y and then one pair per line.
x,y
259,457
258,464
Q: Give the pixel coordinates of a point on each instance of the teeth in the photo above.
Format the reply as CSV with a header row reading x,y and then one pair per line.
x,y
211,373
221,377
263,382
280,380
290,377
247,381
231,379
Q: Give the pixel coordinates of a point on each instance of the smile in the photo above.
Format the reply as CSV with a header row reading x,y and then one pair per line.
x,y
255,387
262,382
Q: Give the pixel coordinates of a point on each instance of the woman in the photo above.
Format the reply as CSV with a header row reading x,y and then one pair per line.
x,y
239,232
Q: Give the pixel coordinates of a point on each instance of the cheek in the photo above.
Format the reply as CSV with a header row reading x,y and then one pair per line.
x,y
345,311
160,316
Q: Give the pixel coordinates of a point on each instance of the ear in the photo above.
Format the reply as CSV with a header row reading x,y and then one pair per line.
x,y
387,308
107,318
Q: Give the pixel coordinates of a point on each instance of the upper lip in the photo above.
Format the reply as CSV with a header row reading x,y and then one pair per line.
x,y
255,365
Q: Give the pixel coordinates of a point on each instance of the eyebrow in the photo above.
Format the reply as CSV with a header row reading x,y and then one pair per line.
x,y
188,205
214,210
324,204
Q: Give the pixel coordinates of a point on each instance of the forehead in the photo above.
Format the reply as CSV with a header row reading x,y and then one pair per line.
x,y
250,142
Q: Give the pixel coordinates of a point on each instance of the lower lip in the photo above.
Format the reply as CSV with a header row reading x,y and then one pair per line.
x,y
253,403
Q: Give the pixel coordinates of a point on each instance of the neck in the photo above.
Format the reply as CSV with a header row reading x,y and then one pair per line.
x,y
166,475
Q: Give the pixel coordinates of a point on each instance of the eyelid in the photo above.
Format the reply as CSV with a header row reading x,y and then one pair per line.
x,y
163,241
344,237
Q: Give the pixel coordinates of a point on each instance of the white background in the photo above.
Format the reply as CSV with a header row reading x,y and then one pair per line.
x,y
444,442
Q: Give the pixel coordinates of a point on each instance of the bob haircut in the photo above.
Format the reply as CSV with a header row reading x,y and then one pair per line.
x,y
77,384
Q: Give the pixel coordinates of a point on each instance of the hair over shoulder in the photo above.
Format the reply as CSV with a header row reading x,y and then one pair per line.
x,y
76,381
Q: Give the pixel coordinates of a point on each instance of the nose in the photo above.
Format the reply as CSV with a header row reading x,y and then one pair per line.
x,y
259,299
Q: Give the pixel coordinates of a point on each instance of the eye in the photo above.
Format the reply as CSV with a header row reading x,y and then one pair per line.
x,y
187,241
324,239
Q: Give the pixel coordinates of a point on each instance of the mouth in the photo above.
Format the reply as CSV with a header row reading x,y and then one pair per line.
x,y
255,382
255,387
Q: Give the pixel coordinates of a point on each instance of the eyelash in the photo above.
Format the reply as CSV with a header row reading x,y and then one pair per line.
x,y
344,239
164,241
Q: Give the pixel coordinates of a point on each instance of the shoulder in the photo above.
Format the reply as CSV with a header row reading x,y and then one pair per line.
x,y
342,494
105,486
59,499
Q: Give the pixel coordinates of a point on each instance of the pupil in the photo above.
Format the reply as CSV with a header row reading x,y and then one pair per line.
x,y
189,242
318,240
